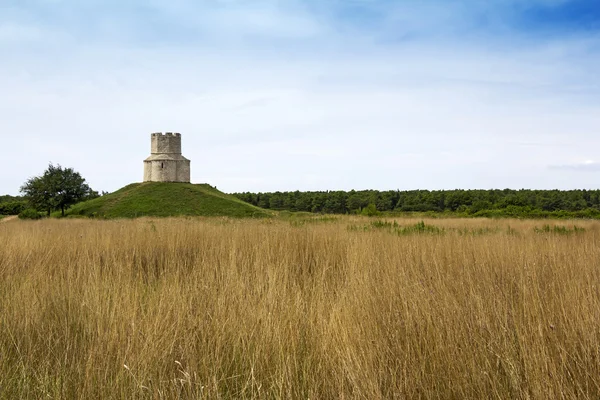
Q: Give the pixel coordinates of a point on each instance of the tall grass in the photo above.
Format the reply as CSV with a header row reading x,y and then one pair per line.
x,y
216,308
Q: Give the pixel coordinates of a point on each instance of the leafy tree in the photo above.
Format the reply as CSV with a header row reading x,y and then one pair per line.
x,y
318,201
386,201
263,200
276,201
289,201
303,203
38,193
57,189
335,203
355,202
480,205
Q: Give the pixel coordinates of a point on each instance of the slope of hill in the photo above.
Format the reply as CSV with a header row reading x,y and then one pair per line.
x,y
166,200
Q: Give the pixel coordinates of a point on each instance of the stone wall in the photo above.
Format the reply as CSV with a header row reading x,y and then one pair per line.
x,y
167,171
184,171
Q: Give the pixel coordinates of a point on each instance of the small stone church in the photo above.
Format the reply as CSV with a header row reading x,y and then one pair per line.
x,y
166,164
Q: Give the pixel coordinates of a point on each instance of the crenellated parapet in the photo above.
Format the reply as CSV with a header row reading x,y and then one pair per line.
x,y
167,143
167,134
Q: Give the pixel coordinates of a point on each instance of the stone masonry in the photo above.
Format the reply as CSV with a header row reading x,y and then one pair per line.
x,y
166,164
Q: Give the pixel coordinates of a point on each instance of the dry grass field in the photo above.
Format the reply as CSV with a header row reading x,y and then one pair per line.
x,y
318,308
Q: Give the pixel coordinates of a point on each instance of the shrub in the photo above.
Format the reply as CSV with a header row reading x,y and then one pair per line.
x,y
419,227
559,230
29,213
12,207
370,210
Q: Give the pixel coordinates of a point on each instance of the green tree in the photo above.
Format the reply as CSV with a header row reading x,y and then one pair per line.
x,y
318,201
276,201
335,203
356,201
263,200
57,189
480,205
386,201
304,202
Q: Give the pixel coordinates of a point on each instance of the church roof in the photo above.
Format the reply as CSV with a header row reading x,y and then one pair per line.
x,y
166,157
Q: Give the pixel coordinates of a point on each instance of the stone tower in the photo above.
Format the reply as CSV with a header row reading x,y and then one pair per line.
x,y
166,164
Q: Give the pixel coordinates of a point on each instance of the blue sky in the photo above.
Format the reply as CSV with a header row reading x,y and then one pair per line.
x,y
308,95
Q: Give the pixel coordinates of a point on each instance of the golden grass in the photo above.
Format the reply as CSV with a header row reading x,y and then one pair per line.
x,y
217,308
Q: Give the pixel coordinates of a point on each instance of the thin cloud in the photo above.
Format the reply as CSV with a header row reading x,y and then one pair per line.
x,y
586,166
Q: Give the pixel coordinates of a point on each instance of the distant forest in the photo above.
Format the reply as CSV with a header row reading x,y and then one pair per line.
x,y
484,203
7,198
470,203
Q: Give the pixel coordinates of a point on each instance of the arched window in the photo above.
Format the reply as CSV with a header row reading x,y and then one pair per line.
x,y
162,165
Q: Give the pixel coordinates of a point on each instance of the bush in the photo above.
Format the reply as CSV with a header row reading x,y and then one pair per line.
x,y
559,230
370,210
394,227
29,213
12,207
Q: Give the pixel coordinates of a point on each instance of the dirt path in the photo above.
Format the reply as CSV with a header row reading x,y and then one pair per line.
x,y
6,219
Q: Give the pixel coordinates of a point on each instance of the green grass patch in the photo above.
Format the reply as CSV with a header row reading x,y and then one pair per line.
x,y
159,199
478,231
397,229
422,228
559,230
323,219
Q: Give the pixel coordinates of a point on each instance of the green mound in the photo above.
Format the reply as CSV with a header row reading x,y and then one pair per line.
x,y
166,200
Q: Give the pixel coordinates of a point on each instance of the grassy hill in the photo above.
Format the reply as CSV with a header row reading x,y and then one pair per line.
x,y
166,200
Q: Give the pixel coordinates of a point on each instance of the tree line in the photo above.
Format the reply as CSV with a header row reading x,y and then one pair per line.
x,y
495,202
58,188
